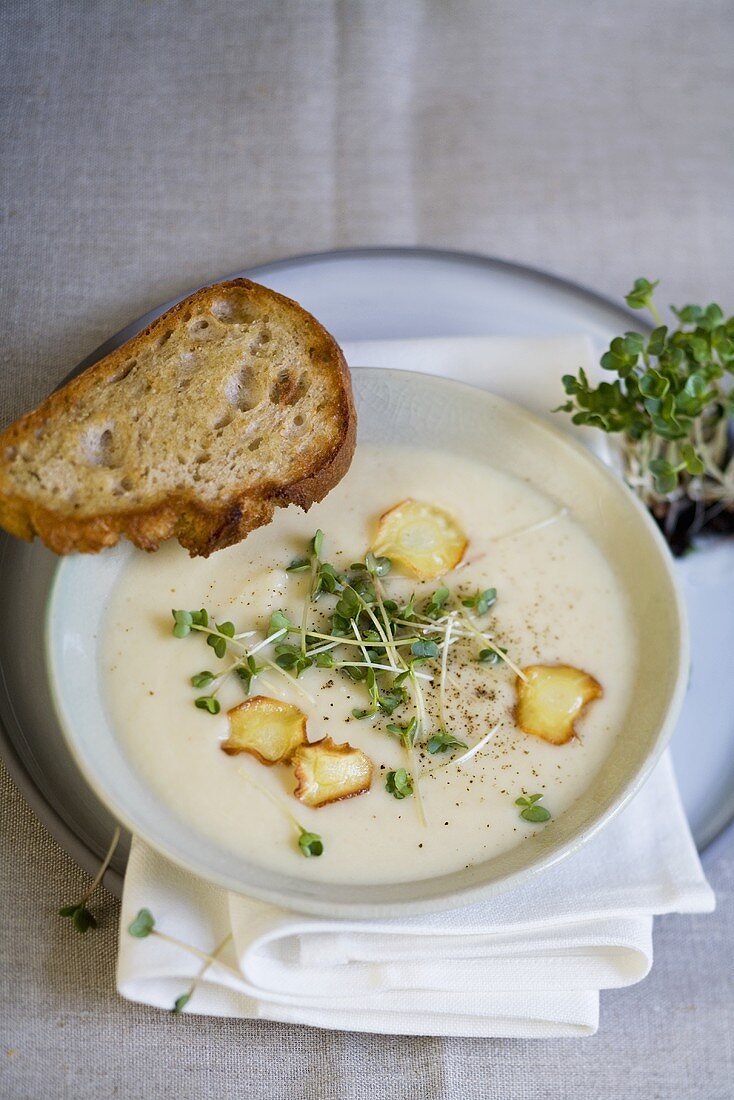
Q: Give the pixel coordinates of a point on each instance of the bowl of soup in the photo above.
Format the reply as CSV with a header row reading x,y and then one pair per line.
x,y
442,679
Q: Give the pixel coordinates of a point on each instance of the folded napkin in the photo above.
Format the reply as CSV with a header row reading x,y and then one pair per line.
x,y
529,963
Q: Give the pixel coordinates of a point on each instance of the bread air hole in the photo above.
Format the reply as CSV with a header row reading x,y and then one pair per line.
x,y
255,444
261,341
198,329
233,311
123,486
164,338
222,422
98,447
241,390
121,375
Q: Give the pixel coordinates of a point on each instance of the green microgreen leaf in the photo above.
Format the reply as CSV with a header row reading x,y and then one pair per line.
x,y
399,784
317,543
142,925
443,741
434,605
209,703
640,297
219,645
491,656
405,734
280,621
532,811
202,679
407,612
694,464
180,1003
310,844
666,476
349,605
364,589
378,566
390,699
182,621
328,579
299,565
424,649
481,601
291,659
246,672
536,814
81,918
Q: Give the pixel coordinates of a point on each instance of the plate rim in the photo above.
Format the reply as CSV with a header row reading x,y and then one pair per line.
x,y
41,806
365,252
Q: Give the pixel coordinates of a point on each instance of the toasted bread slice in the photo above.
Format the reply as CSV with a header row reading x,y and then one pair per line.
x,y
231,404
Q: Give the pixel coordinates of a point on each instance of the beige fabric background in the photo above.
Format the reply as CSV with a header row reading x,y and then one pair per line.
x,y
149,145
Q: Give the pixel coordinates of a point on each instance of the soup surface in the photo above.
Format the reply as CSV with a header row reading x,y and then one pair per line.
x,y
558,602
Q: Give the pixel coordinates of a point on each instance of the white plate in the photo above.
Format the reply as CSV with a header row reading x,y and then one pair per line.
x,y
460,419
371,294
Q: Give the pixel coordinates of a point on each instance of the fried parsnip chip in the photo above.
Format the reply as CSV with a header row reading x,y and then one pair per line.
x,y
266,728
326,772
423,539
551,699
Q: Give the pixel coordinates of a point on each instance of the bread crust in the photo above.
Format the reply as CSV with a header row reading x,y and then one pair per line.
x,y
200,527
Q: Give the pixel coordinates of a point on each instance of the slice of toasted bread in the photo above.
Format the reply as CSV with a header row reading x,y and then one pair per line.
x,y
233,403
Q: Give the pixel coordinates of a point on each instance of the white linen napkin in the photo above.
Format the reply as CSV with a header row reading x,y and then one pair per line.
x,y
527,964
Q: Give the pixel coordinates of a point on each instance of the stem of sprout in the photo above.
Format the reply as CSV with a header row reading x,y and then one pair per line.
x,y
490,644
378,668
292,680
307,603
103,865
275,800
444,662
210,960
206,964
431,626
360,642
561,513
417,698
349,641
458,761
248,652
267,641
218,634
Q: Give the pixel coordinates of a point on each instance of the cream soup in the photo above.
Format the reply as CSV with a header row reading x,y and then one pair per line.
x,y
558,602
